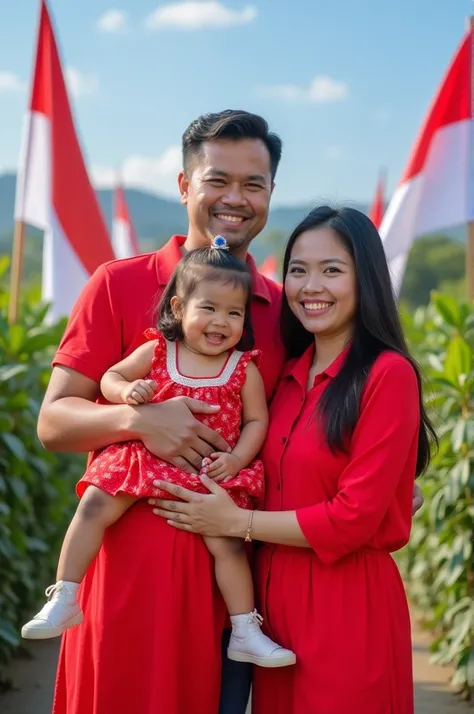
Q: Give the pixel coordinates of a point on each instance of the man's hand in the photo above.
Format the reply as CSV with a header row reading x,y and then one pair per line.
x,y
170,431
140,391
221,467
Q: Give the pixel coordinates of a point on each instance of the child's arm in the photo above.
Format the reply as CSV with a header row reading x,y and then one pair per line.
x,y
252,436
125,382
254,417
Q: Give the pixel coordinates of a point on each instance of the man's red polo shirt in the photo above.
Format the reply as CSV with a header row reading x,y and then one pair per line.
x,y
118,304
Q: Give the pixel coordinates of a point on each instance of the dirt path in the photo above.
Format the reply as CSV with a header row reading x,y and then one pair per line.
x,y
33,680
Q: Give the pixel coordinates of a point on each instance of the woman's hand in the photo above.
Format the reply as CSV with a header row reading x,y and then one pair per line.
x,y
213,514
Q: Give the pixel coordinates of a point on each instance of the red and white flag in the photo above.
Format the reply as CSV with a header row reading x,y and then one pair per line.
x,y
124,238
269,268
378,204
437,187
53,188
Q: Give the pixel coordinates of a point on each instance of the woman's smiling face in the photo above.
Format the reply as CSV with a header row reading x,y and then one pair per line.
x,y
321,283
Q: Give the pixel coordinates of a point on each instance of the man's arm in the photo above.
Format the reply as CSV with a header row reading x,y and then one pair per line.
x,y
70,420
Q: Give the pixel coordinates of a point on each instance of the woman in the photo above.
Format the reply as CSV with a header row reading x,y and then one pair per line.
x,y
348,434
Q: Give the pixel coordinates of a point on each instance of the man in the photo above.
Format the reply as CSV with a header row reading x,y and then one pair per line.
x,y
229,164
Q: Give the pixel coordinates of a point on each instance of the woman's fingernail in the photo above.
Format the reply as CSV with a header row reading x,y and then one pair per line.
x,y
156,512
151,501
156,483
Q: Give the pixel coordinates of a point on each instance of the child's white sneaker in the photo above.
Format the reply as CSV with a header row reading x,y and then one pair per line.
x,y
249,644
61,612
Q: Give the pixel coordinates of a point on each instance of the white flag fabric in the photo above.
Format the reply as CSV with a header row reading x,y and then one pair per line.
x,y
124,239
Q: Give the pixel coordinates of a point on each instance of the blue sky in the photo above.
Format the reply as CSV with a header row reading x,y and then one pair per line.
x,y
346,84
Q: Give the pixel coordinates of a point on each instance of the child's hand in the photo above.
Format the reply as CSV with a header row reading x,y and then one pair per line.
x,y
140,391
221,466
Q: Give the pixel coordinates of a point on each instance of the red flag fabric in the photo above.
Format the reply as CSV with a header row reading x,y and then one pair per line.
x,y
378,204
437,187
269,268
53,189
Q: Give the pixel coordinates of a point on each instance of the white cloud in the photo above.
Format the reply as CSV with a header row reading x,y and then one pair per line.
x,y
155,174
112,21
194,15
322,90
10,82
334,153
80,84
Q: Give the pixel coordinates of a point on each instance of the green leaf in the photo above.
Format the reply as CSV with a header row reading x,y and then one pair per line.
x,y
35,544
8,372
6,421
4,264
18,487
458,435
16,337
9,634
458,360
448,308
15,445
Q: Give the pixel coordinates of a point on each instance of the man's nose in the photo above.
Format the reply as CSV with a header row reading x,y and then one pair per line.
x,y
234,196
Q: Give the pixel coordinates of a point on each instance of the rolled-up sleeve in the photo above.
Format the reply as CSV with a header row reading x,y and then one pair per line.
x,y
381,452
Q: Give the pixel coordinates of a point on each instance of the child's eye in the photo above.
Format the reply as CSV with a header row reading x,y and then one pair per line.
x,y
208,307
235,313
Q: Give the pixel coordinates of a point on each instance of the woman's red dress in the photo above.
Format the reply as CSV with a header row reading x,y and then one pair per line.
x,y
340,605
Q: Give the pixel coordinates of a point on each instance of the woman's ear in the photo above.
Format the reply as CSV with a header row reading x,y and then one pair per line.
x,y
176,307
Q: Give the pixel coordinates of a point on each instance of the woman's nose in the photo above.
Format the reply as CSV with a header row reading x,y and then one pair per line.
x,y
313,285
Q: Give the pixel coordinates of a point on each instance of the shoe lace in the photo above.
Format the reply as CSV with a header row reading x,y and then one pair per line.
x,y
53,590
255,617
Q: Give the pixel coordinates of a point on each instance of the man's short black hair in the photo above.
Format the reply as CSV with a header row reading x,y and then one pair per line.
x,y
230,124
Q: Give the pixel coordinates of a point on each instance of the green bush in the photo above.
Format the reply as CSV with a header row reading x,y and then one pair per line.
x,y
36,487
438,562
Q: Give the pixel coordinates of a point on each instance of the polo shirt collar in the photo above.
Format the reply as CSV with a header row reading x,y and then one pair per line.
x,y
170,254
299,368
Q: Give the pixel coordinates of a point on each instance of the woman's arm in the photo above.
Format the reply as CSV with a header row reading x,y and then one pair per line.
x,y
117,383
385,433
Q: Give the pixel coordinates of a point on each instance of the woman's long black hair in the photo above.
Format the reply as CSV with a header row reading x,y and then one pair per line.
x,y
377,327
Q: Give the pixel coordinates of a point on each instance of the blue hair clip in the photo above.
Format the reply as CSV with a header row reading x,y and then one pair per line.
x,y
220,243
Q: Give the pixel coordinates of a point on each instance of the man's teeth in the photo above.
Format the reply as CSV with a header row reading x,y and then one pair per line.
x,y
232,219
316,305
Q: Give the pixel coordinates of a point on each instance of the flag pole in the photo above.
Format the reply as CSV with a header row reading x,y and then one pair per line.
x,y
16,270
470,224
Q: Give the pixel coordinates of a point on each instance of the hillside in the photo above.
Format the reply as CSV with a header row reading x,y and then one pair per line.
x,y
156,218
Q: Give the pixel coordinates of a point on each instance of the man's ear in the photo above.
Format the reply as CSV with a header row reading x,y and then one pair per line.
x,y
183,185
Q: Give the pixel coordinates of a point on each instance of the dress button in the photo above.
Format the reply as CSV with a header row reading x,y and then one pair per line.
x,y
283,441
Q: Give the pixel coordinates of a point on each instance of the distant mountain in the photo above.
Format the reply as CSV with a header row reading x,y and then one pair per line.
x,y
156,218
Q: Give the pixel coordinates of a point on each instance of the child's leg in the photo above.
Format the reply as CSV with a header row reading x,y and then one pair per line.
x,y
233,574
96,511
247,641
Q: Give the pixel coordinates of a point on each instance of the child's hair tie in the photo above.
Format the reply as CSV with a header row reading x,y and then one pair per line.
x,y
220,243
